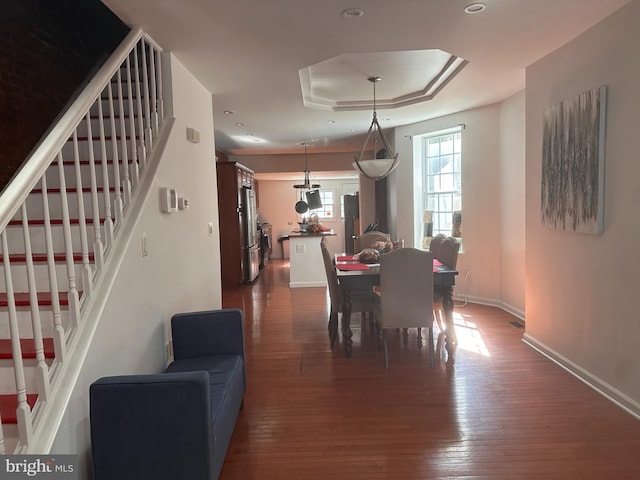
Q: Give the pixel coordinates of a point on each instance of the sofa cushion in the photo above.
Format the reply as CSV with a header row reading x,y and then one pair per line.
x,y
226,376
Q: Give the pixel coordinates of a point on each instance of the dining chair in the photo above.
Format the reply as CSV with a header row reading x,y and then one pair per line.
x,y
406,298
436,241
448,252
399,243
361,301
366,240
447,255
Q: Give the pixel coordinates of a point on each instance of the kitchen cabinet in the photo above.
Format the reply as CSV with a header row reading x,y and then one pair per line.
x,y
239,239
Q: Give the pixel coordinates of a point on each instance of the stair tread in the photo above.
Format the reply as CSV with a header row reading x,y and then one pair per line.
x,y
9,403
28,347
22,299
42,257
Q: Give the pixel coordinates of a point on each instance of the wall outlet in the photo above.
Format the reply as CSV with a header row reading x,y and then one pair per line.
x,y
299,248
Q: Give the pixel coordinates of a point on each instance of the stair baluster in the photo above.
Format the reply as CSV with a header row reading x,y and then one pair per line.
x,y
123,141
153,116
42,370
59,343
148,134
118,205
73,295
106,194
159,94
87,273
140,137
134,170
98,246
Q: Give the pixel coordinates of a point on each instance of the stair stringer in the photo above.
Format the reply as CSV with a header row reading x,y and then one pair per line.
x,y
48,415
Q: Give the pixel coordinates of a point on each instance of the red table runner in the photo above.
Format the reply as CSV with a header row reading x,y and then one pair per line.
x,y
352,266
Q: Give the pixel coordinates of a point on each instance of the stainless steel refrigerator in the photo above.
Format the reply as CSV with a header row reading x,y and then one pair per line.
x,y
251,247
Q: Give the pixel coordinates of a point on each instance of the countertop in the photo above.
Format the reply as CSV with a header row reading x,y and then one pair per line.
x,y
298,233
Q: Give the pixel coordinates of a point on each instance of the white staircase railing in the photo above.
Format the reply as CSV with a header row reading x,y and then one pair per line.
x,y
60,217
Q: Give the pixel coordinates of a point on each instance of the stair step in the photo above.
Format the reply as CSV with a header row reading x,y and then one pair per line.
x,y
28,347
22,299
9,403
42,257
54,221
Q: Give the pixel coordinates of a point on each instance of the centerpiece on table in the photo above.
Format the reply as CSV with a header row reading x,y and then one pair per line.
x,y
372,254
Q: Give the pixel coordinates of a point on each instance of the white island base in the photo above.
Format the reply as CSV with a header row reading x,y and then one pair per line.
x,y
305,260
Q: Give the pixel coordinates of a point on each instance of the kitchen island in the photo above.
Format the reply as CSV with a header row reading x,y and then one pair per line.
x,y
305,259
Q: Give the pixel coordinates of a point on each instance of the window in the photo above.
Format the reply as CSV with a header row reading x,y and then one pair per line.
x,y
327,211
442,192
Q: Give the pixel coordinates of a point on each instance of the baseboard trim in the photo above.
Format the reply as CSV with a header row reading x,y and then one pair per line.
x,y
610,393
307,284
491,303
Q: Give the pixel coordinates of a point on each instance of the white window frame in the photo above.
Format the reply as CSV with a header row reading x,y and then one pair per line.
x,y
335,211
447,198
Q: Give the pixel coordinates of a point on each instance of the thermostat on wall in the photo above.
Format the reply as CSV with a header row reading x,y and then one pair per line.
x,y
169,200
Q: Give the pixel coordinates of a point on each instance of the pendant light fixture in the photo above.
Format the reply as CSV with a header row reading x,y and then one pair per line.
x,y
383,160
307,185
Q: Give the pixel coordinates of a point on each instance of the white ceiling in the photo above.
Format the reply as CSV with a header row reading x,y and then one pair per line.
x,y
261,58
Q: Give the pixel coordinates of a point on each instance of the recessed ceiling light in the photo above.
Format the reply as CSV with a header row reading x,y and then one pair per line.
x,y
229,112
475,8
331,121
354,130
240,124
352,13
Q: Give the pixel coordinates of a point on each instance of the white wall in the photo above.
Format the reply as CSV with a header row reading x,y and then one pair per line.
x,y
181,272
512,204
481,201
581,289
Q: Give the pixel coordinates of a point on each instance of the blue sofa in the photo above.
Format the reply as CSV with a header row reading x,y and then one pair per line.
x,y
177,424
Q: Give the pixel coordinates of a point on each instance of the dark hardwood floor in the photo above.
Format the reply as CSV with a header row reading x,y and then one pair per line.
x,y
502,411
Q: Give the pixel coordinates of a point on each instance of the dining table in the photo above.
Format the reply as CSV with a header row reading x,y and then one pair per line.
x,y
356,276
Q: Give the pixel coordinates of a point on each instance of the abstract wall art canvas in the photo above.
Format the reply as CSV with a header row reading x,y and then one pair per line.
x,y
573,163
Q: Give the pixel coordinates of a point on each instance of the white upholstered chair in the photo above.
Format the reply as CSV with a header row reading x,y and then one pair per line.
x,y
406,298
